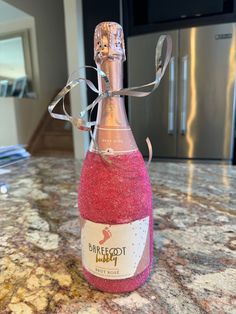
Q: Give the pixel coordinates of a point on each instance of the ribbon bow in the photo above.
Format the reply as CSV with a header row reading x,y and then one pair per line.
x,y
79,122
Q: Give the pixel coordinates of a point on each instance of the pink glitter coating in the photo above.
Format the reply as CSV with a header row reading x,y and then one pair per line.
x,y
115,193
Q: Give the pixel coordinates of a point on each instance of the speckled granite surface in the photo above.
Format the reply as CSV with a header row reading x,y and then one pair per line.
x,y
195,242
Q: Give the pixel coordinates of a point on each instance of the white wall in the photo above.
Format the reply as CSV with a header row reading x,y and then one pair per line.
x,y
75,59
8,126
47,33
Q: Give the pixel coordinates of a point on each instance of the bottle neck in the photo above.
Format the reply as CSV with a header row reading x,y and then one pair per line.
x,y
112,132
111,111
114,70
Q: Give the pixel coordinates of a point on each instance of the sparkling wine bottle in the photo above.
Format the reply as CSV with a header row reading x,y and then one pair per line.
x,y
114,197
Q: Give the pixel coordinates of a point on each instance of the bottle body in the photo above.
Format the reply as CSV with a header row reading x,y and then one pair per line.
x,y
116,194
114,197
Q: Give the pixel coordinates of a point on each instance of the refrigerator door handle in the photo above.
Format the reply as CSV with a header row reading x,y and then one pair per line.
x,y
171,97
183,96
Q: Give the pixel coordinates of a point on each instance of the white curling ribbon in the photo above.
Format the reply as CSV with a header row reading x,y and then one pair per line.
x,y
83,125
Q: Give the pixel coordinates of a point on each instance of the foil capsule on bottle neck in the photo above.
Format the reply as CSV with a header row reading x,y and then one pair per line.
x,y
108,42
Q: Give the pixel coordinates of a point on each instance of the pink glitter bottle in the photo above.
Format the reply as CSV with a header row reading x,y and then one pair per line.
x,y
115,198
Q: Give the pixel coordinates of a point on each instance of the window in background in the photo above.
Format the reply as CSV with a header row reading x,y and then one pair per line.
x,y
15,65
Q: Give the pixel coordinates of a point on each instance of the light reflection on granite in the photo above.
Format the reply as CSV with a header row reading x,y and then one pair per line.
x,y
195,242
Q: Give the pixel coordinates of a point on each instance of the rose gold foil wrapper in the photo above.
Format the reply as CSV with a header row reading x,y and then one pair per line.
x,y
108,42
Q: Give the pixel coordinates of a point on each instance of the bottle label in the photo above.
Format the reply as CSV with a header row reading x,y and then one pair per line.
x,y
115,251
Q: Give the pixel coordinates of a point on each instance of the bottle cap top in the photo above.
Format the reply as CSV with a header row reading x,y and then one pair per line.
x,y
108,42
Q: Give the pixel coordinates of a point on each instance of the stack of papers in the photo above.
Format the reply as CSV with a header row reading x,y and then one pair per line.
x,y
12,154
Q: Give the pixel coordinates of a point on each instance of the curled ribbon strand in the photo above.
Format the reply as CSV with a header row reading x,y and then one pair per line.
x,y
80,122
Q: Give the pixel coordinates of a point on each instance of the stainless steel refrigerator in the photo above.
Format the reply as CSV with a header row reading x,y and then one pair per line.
x,y
191,115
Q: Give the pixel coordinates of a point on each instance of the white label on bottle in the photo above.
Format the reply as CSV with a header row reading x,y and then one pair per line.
x,y
115,251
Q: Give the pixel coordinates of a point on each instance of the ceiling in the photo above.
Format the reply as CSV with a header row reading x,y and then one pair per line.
x,y
10,13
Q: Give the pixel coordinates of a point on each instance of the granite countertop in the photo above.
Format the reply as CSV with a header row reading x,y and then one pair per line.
x,y
195,242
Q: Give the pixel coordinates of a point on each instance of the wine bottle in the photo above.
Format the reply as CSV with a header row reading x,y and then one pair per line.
x,y
114,195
